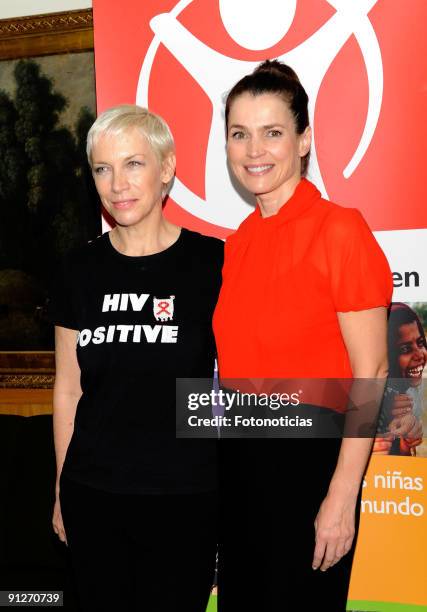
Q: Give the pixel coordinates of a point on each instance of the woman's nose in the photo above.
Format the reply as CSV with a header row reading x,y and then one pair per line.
x,y
254,147
120,182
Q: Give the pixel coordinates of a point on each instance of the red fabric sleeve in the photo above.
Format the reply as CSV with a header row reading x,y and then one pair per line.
x,y
360,276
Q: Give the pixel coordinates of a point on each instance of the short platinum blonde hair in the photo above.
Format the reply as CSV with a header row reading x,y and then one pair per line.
x,y
119,119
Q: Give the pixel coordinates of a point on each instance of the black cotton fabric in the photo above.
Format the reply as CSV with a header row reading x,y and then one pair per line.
x,y
266,527
140,552
142,322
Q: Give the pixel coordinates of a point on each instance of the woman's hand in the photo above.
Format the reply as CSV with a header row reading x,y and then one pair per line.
x,y
402,404
66,394
407,445
335,529
407,426
365,336
402,407
382,444
58,525
412,442
414,439
410,431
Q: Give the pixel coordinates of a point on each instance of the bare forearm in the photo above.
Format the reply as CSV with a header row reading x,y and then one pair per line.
x,y
352,460
364,334
64,411
360,427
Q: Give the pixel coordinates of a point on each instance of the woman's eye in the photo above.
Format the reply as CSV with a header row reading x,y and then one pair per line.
x,y
404,349
100,169
237,135
421,343
133,163
274,133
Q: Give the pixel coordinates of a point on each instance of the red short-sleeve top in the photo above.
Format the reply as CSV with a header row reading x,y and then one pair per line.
x,y
285,277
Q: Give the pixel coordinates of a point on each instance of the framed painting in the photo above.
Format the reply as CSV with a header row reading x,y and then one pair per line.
x,y
48,204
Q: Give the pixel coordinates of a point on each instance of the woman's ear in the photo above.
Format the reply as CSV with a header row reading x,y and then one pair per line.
x,y
305,141
168,168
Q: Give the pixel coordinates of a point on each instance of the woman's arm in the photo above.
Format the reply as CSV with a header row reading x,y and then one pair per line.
x,y
66,394
365,336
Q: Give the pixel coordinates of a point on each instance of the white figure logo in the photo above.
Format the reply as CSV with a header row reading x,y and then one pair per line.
x,y
260,25
163,308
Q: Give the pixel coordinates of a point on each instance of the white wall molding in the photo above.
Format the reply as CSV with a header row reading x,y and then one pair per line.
x,y
20,8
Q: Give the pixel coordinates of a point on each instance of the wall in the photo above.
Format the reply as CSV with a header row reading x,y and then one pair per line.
x,y
12,8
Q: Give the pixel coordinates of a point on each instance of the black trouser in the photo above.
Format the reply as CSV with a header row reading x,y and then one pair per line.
x,y
271,491
140,552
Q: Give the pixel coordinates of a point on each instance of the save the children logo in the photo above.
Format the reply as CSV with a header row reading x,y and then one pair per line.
x,y
259,26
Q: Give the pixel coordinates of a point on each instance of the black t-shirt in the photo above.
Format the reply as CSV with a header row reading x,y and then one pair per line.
x,y
142,322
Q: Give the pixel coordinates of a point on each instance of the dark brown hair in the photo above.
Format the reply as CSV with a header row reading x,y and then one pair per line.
x,y
276,78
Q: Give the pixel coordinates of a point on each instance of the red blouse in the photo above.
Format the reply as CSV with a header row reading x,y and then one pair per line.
x,y
285,278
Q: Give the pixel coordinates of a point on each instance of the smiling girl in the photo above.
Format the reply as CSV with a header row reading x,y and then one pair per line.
x,y
400,419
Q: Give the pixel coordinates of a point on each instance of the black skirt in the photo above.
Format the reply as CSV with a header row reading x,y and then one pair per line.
x,y
270,493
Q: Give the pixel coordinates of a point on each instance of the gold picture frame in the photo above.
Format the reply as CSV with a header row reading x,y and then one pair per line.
x,y
48,34
26,377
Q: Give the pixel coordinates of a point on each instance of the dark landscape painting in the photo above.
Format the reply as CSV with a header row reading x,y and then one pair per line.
x,y
47,201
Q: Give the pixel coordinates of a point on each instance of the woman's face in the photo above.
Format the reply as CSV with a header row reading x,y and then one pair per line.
x,y
264,150
128,176
412,354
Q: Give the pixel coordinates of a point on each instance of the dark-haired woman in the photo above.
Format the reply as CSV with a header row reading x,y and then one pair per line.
x,y
400,420
305,295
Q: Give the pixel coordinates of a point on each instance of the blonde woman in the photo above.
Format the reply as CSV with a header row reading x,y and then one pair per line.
x,y
132,312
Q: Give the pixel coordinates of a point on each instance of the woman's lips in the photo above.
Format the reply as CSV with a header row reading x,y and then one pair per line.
x,y
123,204
259,169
